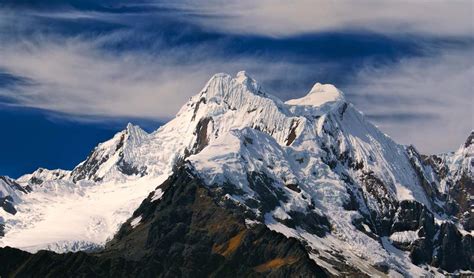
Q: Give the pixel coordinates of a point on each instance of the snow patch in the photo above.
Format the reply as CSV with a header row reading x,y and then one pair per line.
x,y
135,221
250,223
320,94
404,236
157,194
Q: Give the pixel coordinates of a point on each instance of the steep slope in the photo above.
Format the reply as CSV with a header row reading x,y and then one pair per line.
x,y
10,196
454,175
10,193
114,158
182,235
251,169
313,169
97,197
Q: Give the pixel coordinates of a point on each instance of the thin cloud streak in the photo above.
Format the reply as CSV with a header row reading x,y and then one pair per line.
x,y
77,76
80,77
284,18
74,76
439,87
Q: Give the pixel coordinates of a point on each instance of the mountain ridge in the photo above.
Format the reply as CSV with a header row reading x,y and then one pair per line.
x,y
313,169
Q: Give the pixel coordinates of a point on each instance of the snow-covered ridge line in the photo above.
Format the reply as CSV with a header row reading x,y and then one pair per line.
x,y
42,174
316,155
225,103
132,155
118,157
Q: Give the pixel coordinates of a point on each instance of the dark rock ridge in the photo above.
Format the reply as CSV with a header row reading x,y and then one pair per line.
x,y
196,230
37,178
452,250
7,202
88,169
440,245
458,199
14,185
184,234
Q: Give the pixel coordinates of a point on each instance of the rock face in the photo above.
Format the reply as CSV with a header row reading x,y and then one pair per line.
x,y
185,234
111,157
256,186
10,192
454,178
10,196
453,250
41,175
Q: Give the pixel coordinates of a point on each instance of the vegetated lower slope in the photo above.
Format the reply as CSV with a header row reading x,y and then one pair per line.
x,y
312,170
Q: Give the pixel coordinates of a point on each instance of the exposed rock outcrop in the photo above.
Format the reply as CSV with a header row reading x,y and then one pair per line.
x,y
186,234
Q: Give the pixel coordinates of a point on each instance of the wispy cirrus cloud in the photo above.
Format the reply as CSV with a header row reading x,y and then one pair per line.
x,y
126,60
424,101
283,18
80,77
280,17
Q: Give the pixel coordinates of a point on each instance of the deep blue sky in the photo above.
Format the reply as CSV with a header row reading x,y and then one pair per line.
x,y
32,138
53,117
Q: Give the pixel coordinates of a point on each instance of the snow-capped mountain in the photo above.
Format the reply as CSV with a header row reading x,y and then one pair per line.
x,y
41,175
313,169
10,195
454,174
113,157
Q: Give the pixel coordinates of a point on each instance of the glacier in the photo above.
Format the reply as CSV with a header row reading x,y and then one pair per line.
x,y
316,155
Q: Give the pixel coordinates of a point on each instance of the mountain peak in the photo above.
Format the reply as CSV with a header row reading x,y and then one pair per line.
x,y
112,157
242,74
470,140
320,94
243,78
135,133
313,169
223,84
130,126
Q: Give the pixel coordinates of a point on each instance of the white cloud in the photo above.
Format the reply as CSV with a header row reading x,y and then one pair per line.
x,y
435,92
281,17
77,77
